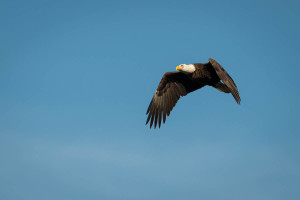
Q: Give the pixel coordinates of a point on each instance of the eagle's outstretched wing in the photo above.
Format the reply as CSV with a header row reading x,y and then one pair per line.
x,y
172,86
227,80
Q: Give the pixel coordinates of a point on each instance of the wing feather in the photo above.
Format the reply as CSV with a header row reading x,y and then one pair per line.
x,y
227,80
172,86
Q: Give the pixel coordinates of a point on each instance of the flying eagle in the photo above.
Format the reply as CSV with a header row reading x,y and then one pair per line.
x,y
189,78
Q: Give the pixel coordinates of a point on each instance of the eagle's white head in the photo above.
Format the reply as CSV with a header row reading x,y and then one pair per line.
x,y
186,68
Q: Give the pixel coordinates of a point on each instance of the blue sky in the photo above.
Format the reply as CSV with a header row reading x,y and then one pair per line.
x,y
76,78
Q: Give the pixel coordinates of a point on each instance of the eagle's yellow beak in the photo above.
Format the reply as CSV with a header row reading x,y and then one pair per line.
x,y
179,67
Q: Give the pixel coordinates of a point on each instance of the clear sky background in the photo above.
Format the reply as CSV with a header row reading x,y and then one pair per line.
x,y
76,78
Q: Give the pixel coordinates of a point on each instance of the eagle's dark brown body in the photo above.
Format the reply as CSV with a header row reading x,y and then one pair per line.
x,y
205,74
176,84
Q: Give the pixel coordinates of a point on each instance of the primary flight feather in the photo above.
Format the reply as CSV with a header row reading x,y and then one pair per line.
x,y
189,78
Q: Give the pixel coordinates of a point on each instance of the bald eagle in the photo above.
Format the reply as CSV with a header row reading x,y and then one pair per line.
x,y
187,79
